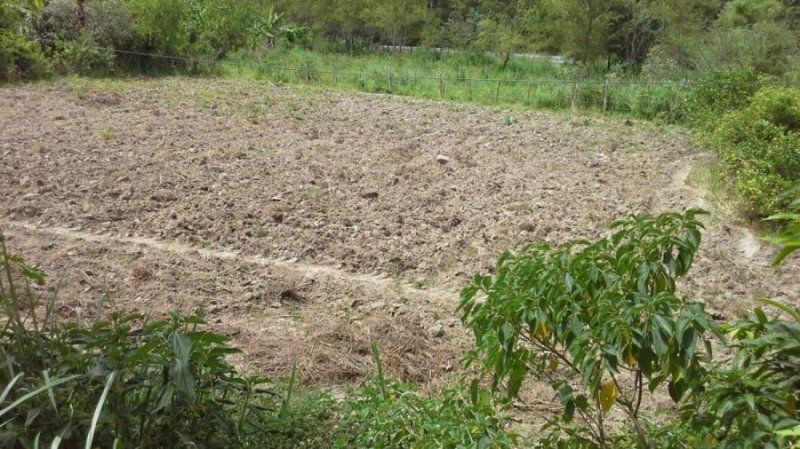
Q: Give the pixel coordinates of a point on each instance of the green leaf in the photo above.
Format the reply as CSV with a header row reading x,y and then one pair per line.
x,y
569,411
35,392
646,359
658,342
676,388
100,403
518,371
181,372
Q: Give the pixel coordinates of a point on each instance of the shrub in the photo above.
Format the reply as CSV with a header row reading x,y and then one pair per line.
x,y
59,20
765,46
125,381
162,25
789,237
751,400
20,59
110,24
722,92
82,56
392,414
759,147
598,321
660,65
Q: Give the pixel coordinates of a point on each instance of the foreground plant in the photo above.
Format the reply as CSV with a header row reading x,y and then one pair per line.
x,y
601,322
125,381
393,414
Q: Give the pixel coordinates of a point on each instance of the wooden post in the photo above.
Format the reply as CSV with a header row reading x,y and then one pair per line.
x,y
574,94
497,92
469,86
389,78
529,92
335,75
605,98
441,85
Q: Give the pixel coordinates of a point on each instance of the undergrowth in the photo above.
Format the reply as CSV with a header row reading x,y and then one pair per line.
x,y
134,381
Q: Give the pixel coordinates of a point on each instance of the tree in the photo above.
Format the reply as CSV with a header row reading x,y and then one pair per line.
x,y
584,27
506,26
395,19
633,30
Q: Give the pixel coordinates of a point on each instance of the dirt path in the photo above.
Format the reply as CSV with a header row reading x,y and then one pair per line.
x,y
307,223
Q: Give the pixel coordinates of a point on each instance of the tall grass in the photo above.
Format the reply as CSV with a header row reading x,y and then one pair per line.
x,y
462,76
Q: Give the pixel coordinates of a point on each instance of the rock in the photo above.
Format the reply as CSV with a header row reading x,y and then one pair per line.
x,y
356,303
370,195
442,159
436,331
600,157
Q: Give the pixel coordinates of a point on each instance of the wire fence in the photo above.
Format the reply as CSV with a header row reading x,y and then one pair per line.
x,y
643,97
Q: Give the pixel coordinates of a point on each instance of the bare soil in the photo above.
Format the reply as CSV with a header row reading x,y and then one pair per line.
x,y
306,223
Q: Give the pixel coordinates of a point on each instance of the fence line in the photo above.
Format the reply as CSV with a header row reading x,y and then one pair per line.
x,y
394,75
572,93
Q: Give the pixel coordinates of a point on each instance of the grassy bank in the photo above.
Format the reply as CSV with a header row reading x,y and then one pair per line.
x,y
475,77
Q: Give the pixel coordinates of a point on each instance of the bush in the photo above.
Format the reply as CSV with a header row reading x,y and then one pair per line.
x,y
598,321
20,59
751,400
722,92
392,414
125,381
110,24
82,56
789,237
759,147
765,46
59,21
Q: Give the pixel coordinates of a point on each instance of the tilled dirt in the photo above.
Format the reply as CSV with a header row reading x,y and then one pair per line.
x,y
307,223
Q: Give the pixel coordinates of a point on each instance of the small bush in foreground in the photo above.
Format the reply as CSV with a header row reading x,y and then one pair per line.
x,y
392,414
125,381
601,322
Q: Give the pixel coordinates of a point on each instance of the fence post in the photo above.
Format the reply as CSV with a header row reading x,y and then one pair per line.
x,y
574,94
605,98
441,85
389,77
530,84
497,92
335,75
469,86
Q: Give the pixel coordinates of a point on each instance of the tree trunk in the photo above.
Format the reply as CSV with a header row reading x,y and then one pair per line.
x,y
81,13
505,61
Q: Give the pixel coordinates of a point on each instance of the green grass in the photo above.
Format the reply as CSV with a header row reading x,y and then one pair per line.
x,y
479,78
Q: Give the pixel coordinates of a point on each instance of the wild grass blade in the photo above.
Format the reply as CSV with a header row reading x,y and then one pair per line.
x,y
33,393
99,408
56,442
8,387
381,380
784,307
286,401
50,391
